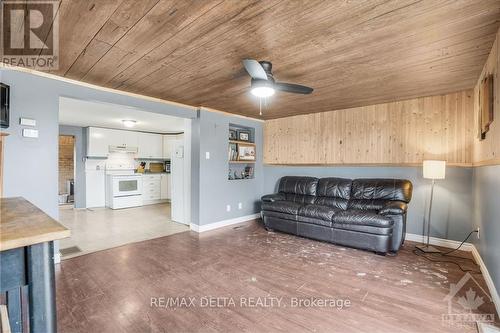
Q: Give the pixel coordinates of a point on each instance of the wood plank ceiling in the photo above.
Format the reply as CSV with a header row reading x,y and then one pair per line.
x,y
352,53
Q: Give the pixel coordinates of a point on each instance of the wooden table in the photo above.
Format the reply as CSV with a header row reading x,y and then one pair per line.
x,y
27,283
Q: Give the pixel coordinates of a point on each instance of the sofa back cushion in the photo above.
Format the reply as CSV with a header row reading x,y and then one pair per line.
x,y
333,192
373,194
298,189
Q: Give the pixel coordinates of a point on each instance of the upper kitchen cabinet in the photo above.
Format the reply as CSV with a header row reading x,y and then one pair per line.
x,y
150,145
99,140
168,145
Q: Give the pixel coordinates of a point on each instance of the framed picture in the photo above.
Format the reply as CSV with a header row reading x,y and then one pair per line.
x,y
246,152
232,135
244,135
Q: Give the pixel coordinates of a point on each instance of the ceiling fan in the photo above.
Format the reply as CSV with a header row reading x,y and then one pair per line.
x,y
263,84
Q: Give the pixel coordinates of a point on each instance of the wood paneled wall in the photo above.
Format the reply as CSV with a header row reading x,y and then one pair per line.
x,y
397,133
487,151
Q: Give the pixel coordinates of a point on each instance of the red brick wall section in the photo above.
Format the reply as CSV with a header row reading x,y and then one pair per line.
x,y
66,161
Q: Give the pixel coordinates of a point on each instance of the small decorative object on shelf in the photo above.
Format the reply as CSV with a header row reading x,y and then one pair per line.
x,y
230,175
248,172
246,152
233,152
232,134
244,135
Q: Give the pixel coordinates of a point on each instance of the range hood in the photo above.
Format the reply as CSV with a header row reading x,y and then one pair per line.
x,y
123,149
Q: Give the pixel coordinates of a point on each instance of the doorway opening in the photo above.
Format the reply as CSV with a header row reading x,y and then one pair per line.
x,y
66,170
133,175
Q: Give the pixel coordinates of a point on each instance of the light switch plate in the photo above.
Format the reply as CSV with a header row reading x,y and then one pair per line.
x,y
228,208
207,155
27,122
30,133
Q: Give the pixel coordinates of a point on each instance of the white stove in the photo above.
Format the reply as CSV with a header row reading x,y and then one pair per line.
x,y
123,187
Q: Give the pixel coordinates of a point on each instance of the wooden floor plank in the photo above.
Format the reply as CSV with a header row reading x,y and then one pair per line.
x,y
111,290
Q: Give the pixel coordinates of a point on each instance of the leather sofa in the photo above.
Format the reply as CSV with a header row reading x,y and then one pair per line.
x,y
368,214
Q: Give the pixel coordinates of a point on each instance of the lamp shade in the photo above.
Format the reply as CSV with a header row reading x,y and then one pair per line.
x,y
434,169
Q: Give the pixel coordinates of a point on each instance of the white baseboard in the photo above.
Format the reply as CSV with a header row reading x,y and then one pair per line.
x,y
475,253
224,223
487,279
439,242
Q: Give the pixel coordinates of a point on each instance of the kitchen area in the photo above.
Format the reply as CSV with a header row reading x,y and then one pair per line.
x,y
131,178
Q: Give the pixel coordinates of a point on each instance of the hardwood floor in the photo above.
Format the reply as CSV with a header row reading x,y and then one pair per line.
x,y
111,290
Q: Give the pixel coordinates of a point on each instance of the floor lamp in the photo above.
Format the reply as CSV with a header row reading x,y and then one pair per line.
x,y
432,170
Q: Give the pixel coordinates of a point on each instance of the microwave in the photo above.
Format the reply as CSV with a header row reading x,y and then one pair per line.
x,y
4,105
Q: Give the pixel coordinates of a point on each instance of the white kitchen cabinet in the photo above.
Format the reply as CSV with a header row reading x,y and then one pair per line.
x,y
165,187
99,140
168,145
150,145
151,188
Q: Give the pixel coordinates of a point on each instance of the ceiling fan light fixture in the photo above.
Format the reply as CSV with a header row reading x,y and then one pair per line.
x,y
262,91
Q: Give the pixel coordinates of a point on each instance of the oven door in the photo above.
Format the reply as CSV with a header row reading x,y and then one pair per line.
x,y
127,186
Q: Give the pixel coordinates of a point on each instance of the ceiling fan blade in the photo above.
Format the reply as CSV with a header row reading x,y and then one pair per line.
x,y
293,88
254,69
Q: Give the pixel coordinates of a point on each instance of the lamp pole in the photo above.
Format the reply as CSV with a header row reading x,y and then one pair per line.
x,y
429,216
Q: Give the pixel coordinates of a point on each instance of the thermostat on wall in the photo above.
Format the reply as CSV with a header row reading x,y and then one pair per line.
x,y
27,122
30,133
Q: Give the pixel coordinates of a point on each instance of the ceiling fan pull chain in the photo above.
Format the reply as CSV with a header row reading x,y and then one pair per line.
x,y
260,106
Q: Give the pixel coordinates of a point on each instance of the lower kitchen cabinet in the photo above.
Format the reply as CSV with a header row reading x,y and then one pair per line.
x,y
155,188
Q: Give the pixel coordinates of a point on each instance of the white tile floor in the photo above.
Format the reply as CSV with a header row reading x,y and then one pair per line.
x,y
103,228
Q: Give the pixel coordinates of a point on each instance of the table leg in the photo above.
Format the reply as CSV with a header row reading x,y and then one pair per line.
x,y
41,288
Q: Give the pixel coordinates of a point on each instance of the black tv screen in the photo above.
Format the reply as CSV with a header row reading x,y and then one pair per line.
x,y
4,104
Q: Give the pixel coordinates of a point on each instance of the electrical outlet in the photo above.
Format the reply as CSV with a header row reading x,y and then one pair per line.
x,y
228,208
478,232
240,205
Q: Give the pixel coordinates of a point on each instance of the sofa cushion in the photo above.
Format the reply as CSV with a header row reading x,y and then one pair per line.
x,y
284,216
333,192
315,221
317,212
361,217
287,207
298,185
381,189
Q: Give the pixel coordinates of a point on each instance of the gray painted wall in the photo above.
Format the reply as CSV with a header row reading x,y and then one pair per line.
x,y
80,146
31,164
452,207
216,191
486,182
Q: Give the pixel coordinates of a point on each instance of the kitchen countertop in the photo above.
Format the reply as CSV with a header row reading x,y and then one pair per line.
x,y
23,224
153,173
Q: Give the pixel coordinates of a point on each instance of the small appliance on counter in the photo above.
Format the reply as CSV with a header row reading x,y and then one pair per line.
x,y
167,166
156,167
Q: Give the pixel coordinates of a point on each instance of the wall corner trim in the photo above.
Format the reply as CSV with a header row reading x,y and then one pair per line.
x,y
223,223
487,279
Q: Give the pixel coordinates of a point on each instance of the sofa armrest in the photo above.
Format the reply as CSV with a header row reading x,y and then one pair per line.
x,y
394,208
273,197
